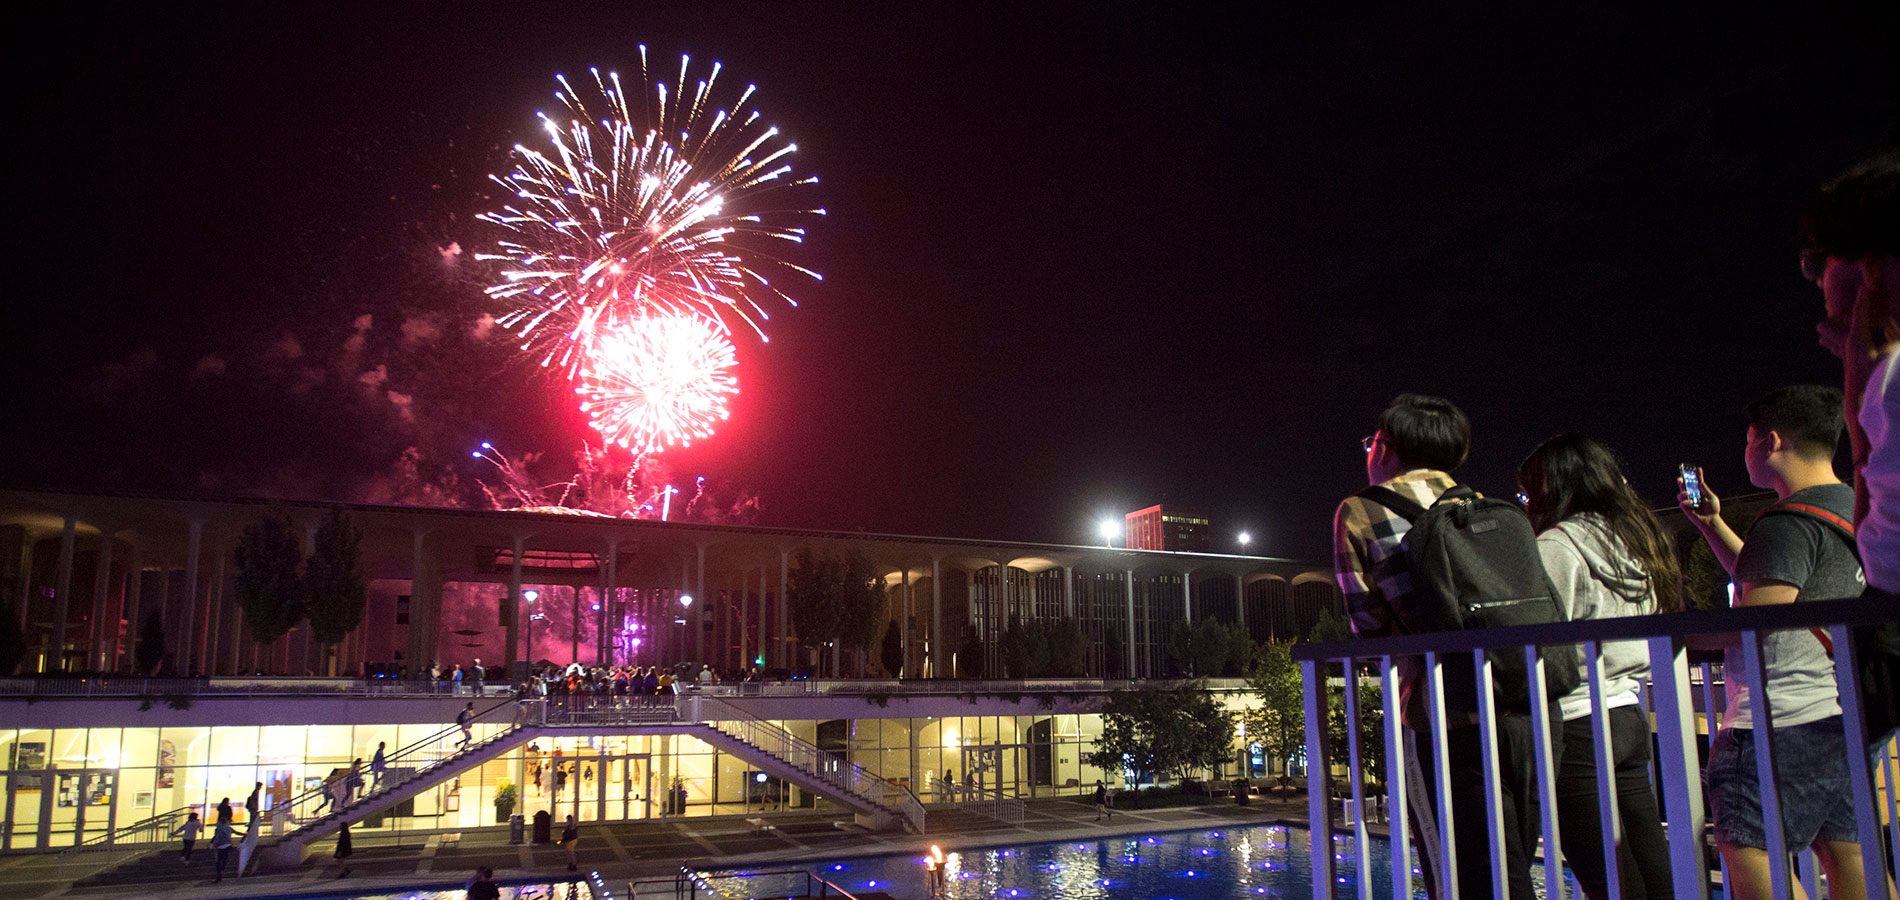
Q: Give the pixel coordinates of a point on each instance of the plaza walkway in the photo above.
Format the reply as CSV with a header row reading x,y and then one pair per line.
x,y
620,851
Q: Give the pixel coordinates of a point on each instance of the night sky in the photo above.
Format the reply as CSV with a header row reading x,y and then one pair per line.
x,y
1080,258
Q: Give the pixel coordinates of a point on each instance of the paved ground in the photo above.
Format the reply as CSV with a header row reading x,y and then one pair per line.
x,y
619,851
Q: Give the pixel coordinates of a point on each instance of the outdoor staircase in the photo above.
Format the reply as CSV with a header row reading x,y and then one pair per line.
x,y
869,812
288,850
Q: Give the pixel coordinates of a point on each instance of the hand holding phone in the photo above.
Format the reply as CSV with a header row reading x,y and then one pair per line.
x,y
1694,498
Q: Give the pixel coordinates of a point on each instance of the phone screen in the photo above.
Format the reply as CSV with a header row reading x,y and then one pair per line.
x,y
1691,484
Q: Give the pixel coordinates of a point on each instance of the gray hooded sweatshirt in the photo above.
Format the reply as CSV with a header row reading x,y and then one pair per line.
x,y
1597,578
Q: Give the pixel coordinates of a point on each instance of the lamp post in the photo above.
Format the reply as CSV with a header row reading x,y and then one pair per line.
x,y
686,604
1245,539
1108,530
530,596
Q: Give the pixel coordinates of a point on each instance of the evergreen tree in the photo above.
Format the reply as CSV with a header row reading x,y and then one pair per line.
x,y
151,649
1279,724
335,590
814,595
1173,732
268,587
864,605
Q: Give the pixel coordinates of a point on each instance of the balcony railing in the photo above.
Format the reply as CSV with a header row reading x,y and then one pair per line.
x,y
1671,703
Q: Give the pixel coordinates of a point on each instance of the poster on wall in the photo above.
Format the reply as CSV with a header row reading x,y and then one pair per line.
x,y
142,800
28,755
167,759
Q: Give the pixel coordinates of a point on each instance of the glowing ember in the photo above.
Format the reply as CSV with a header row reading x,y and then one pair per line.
x,y
658,381
648,210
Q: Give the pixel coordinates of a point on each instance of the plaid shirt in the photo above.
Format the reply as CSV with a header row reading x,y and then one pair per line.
x,y
1365,546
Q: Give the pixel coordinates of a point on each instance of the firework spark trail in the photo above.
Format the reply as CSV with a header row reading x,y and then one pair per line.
x,y
658,381
650,210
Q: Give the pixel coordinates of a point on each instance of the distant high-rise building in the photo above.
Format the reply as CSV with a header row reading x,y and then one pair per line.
x,y
1167,528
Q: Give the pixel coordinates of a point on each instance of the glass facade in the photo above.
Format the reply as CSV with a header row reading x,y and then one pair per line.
x,y
64,786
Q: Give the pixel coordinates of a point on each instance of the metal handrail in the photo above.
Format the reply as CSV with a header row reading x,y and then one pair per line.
x,y
1670,703
807,757
292,810
696,881
162,825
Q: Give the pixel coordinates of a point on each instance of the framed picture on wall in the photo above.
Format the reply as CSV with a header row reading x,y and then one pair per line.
x,y
29,755
142,800
453,803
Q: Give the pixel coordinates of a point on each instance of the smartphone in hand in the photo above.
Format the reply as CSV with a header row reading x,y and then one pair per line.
x,y
1692,484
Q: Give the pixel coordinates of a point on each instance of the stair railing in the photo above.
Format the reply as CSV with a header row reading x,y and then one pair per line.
x,y
154,830
419,757
846,776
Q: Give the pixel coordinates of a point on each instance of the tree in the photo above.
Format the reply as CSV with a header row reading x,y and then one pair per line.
x,y
814,594
865,603
335,590
1329,627
1371,730
1279,724
1207,648
1171,732
891,654
1045,648
268,587
970,663
151,649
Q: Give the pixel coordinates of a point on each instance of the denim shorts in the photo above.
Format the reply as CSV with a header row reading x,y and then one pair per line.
x,y
1815,800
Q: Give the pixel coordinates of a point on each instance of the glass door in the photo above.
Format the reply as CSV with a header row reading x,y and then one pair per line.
x,y
628,783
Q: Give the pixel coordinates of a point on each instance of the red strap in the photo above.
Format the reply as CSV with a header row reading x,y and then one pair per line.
x,y
1845,526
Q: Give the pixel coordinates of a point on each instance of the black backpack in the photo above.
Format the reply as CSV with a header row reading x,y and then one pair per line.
x,y
1473,563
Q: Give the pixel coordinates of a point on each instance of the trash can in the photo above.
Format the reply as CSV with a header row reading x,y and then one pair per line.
x,y
516,827
543,827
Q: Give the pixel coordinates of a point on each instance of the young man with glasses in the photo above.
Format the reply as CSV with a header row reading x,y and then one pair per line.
x,y
1420,441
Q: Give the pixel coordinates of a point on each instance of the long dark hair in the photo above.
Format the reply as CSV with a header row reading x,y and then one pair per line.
x,y
1572,474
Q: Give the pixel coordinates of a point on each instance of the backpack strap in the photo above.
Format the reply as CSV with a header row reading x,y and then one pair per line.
x,y
1836,523
1394,501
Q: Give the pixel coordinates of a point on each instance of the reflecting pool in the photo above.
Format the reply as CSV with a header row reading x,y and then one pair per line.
x,y
1252,861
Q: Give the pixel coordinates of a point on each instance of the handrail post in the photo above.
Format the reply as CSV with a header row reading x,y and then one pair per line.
x,y
1542,734
1859,762
1488,722
1681,765
1319,816
1610,820
1762,726
1362,858
1441,777
1398,806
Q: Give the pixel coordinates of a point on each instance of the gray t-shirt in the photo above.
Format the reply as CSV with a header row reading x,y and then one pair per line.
x,y
1814,557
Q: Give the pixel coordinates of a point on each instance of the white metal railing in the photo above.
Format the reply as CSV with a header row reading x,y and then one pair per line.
x,y
992,802
807,757
163,688
1674,710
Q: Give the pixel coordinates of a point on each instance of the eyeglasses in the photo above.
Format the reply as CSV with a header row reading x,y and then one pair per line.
x,y
1369,441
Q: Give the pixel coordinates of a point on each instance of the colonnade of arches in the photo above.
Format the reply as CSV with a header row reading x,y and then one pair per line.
x,y
448,586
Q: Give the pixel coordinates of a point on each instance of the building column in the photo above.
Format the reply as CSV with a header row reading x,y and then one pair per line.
x,y
23,589
214,608
937,641
762,656
903,637
684,614
1240,602
574,637
189,627
609,592
102,632
697,620
309,642
745,621
134,591
1131,622
784,620
1068,592
53,650
511,614
420,652
1187,596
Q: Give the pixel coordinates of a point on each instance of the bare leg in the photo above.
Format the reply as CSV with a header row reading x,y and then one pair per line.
x,y
1842,861
1748,873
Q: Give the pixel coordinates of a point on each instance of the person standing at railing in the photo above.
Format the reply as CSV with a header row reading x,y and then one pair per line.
x,y
1608,556
1800,549
1419,442
1850,248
